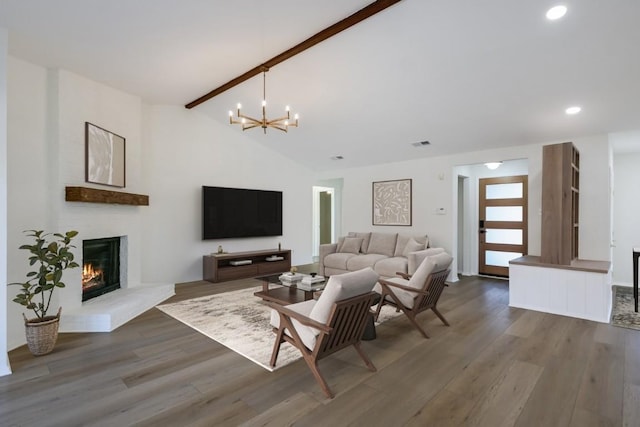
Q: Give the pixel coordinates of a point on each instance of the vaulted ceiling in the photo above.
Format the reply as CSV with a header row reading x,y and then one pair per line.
x,y
465,75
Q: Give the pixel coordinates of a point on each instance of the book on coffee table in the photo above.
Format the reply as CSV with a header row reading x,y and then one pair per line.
x,y
289,277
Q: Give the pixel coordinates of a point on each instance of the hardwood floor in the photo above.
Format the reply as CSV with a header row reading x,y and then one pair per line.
x,y
495,366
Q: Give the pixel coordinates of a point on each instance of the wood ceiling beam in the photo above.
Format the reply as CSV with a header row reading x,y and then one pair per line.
x,y
351,20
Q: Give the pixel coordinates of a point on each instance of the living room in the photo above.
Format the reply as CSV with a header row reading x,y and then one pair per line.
x,y
172,152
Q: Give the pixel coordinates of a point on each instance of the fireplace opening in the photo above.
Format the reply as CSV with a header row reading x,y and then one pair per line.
x,y
100,266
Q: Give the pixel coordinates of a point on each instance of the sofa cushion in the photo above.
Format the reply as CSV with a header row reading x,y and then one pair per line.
x,y
343,286
351,245
338,260
307,333
403,239
362,261
412,246
365,240
382,243
388,267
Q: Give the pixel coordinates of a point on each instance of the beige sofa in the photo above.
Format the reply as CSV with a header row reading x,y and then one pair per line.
x,y
386,253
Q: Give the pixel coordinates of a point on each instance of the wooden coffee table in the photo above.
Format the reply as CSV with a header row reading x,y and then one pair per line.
x,y
283,292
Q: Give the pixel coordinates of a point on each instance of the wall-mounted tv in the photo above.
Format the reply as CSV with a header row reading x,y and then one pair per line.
x,y
237,212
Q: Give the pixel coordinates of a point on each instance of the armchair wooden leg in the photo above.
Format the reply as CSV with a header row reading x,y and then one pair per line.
x,y
435,310
413,320
380,304
364,357
276,346
319,378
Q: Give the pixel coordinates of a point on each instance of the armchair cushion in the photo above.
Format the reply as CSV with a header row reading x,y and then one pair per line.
x,y
340,287
414,259
430,264
307,334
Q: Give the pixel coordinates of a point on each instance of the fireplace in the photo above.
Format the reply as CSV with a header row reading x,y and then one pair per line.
x,y
100,266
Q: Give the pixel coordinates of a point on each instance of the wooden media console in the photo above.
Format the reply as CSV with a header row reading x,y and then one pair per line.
x,y
219,267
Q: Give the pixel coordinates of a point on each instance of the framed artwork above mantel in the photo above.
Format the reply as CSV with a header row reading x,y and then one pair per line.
x,y
105,157
392,202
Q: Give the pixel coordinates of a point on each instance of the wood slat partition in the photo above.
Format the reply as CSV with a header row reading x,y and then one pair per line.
x,y
94,195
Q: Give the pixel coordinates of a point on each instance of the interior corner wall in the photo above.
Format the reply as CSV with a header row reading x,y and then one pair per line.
x,y
185,150
595,198
5,368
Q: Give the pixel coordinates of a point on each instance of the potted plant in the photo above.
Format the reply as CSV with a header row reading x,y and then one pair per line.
x,y
50,256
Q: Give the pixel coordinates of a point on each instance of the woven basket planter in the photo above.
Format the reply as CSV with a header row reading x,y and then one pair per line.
x,y
42,334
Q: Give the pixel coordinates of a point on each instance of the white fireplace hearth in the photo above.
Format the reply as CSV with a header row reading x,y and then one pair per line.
x,y
108,311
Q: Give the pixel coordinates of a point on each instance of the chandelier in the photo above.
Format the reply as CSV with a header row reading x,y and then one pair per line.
x,y
282,123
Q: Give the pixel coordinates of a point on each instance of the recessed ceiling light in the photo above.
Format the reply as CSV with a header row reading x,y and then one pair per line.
x,y
556,12
573,110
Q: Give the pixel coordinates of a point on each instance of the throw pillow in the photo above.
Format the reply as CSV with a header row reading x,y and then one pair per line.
x,y
412,246
351,245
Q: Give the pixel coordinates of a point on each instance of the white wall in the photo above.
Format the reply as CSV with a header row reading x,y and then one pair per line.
x,y
171,152
4,360
29,177
185,150
626,206
431,192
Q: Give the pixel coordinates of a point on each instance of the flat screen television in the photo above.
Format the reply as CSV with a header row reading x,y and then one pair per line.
x,y
237,212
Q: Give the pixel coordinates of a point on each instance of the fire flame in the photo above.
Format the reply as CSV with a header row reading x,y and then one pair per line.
x,y
91,276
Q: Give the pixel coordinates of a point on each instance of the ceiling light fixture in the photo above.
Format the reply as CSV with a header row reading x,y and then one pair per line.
x,y
493,165
282,123
573,110
556,12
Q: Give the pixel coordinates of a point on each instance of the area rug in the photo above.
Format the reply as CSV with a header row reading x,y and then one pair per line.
x,y
240,321
623,313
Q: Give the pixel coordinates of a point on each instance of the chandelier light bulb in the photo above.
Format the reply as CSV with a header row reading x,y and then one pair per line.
x,y
296,116
230,113
264,102
239,106
287,108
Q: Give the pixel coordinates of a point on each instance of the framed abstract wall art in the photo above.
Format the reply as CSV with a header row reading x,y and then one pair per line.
x,y
104,156
392,202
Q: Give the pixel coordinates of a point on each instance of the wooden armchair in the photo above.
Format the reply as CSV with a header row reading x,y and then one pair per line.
x,y
419,292
335,321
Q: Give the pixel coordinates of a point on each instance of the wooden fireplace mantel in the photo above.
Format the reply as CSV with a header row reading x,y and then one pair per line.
x,y
94,195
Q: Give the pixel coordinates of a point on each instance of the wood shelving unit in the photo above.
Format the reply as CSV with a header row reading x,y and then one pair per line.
x,y
560,203
218,267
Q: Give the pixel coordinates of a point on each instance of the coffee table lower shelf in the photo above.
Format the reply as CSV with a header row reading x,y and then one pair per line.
x,y
285,295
